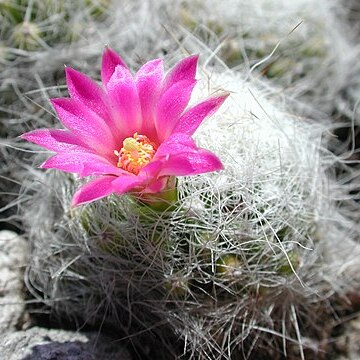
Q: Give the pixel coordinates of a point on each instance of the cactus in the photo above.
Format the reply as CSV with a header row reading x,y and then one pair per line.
x,y
242,259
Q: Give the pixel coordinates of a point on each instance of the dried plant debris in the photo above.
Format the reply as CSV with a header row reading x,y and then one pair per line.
x,y
301,45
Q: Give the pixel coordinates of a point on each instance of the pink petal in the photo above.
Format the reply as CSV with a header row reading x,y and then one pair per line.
x,y
87,91
88,126
125,103
110,60
125,183
148,82
94,190
177,143
84,164
170,106
152,169
193,117
183,70
180,156
191,163
157,186
56,140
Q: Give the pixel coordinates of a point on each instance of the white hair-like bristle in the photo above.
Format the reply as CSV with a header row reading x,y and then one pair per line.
x,y
303,45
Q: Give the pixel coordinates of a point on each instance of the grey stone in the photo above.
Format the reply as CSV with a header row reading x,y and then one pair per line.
x,y
352,334
347,345
48,344
13,254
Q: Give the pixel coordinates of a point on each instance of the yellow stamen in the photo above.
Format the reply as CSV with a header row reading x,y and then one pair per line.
x,y
137,151
131,144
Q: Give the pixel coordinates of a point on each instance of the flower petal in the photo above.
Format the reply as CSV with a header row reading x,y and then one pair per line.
x,y
88,92
152,169
177,143
84,123
56,140
157,186
191,163
125,183
125,102
183,70
148,82
170,106
193,117
94,190
110,60
84,164
180,156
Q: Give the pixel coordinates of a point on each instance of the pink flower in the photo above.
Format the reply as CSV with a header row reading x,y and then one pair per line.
x,y
132,133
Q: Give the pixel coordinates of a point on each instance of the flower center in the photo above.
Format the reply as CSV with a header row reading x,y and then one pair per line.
x,y
137,151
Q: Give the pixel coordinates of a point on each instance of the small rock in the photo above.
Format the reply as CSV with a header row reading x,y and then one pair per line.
x,y
48,344
13,253
349,344
353,335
